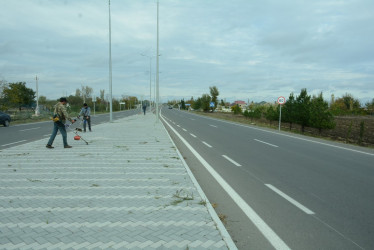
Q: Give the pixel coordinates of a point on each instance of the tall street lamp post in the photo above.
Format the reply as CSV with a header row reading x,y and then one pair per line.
x,y
110,69
150,78
157,77
37,97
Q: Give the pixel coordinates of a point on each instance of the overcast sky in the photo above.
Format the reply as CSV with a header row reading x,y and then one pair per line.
x,y
251,50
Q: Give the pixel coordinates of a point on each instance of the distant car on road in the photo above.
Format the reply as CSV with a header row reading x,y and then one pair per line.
x,y
170,107
4,119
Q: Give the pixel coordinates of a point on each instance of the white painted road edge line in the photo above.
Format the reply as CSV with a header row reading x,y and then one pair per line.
x,y
193,135
225,235
206,144
231,160
288,198
268,233
12,143
281,134
266,143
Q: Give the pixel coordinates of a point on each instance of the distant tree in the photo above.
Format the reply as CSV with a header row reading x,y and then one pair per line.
x,y
222,103
370,107
183,104
320,116
130,101
346,105
85,92
251,106
350,102
205,102
303,109
75,103
78,92
3,101
197,104
191,102
115,104
289,110
3,85
255,111
236,109
18,94
272,114
214,95
102,94
258,111
42,100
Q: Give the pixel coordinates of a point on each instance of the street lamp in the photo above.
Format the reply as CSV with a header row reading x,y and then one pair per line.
x,y
157,78
110,68
37,113
150,78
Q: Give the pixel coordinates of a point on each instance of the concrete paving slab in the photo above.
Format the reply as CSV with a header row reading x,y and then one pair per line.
x,y
128,188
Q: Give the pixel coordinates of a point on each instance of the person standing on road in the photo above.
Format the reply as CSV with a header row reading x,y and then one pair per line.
x,y
86,112
144,108
60,116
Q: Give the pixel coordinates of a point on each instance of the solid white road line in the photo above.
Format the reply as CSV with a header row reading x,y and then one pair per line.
x,y
232,161
206,144
193,135
268,233
288,198
290,136
29,129
266,143
12,143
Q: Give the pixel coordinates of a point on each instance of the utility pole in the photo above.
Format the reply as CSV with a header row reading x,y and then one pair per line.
x,y
157,77
110,69
150,83
37,113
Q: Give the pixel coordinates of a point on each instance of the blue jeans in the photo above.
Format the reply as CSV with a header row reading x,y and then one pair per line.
x,y
56,127
85,121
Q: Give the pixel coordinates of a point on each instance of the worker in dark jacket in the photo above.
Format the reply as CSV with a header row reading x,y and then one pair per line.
x,y
60,116
86,113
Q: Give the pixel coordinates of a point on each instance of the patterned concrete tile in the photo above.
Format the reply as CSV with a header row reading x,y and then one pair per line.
x,y
127,189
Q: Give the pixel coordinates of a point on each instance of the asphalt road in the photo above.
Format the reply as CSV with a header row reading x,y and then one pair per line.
x,y
24,133
279,190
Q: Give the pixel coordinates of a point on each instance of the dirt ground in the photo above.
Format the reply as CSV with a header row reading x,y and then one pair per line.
x,y
349,129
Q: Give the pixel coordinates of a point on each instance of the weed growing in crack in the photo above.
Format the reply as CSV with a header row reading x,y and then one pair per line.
x,y
202,202
182,195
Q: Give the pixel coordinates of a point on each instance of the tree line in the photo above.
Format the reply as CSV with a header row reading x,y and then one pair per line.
x,y
18,96
206,102
303,109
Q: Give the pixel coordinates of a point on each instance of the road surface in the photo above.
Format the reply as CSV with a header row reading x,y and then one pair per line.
x,y
279,190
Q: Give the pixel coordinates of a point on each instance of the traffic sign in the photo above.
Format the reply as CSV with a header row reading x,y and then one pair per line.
x,y
281,100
